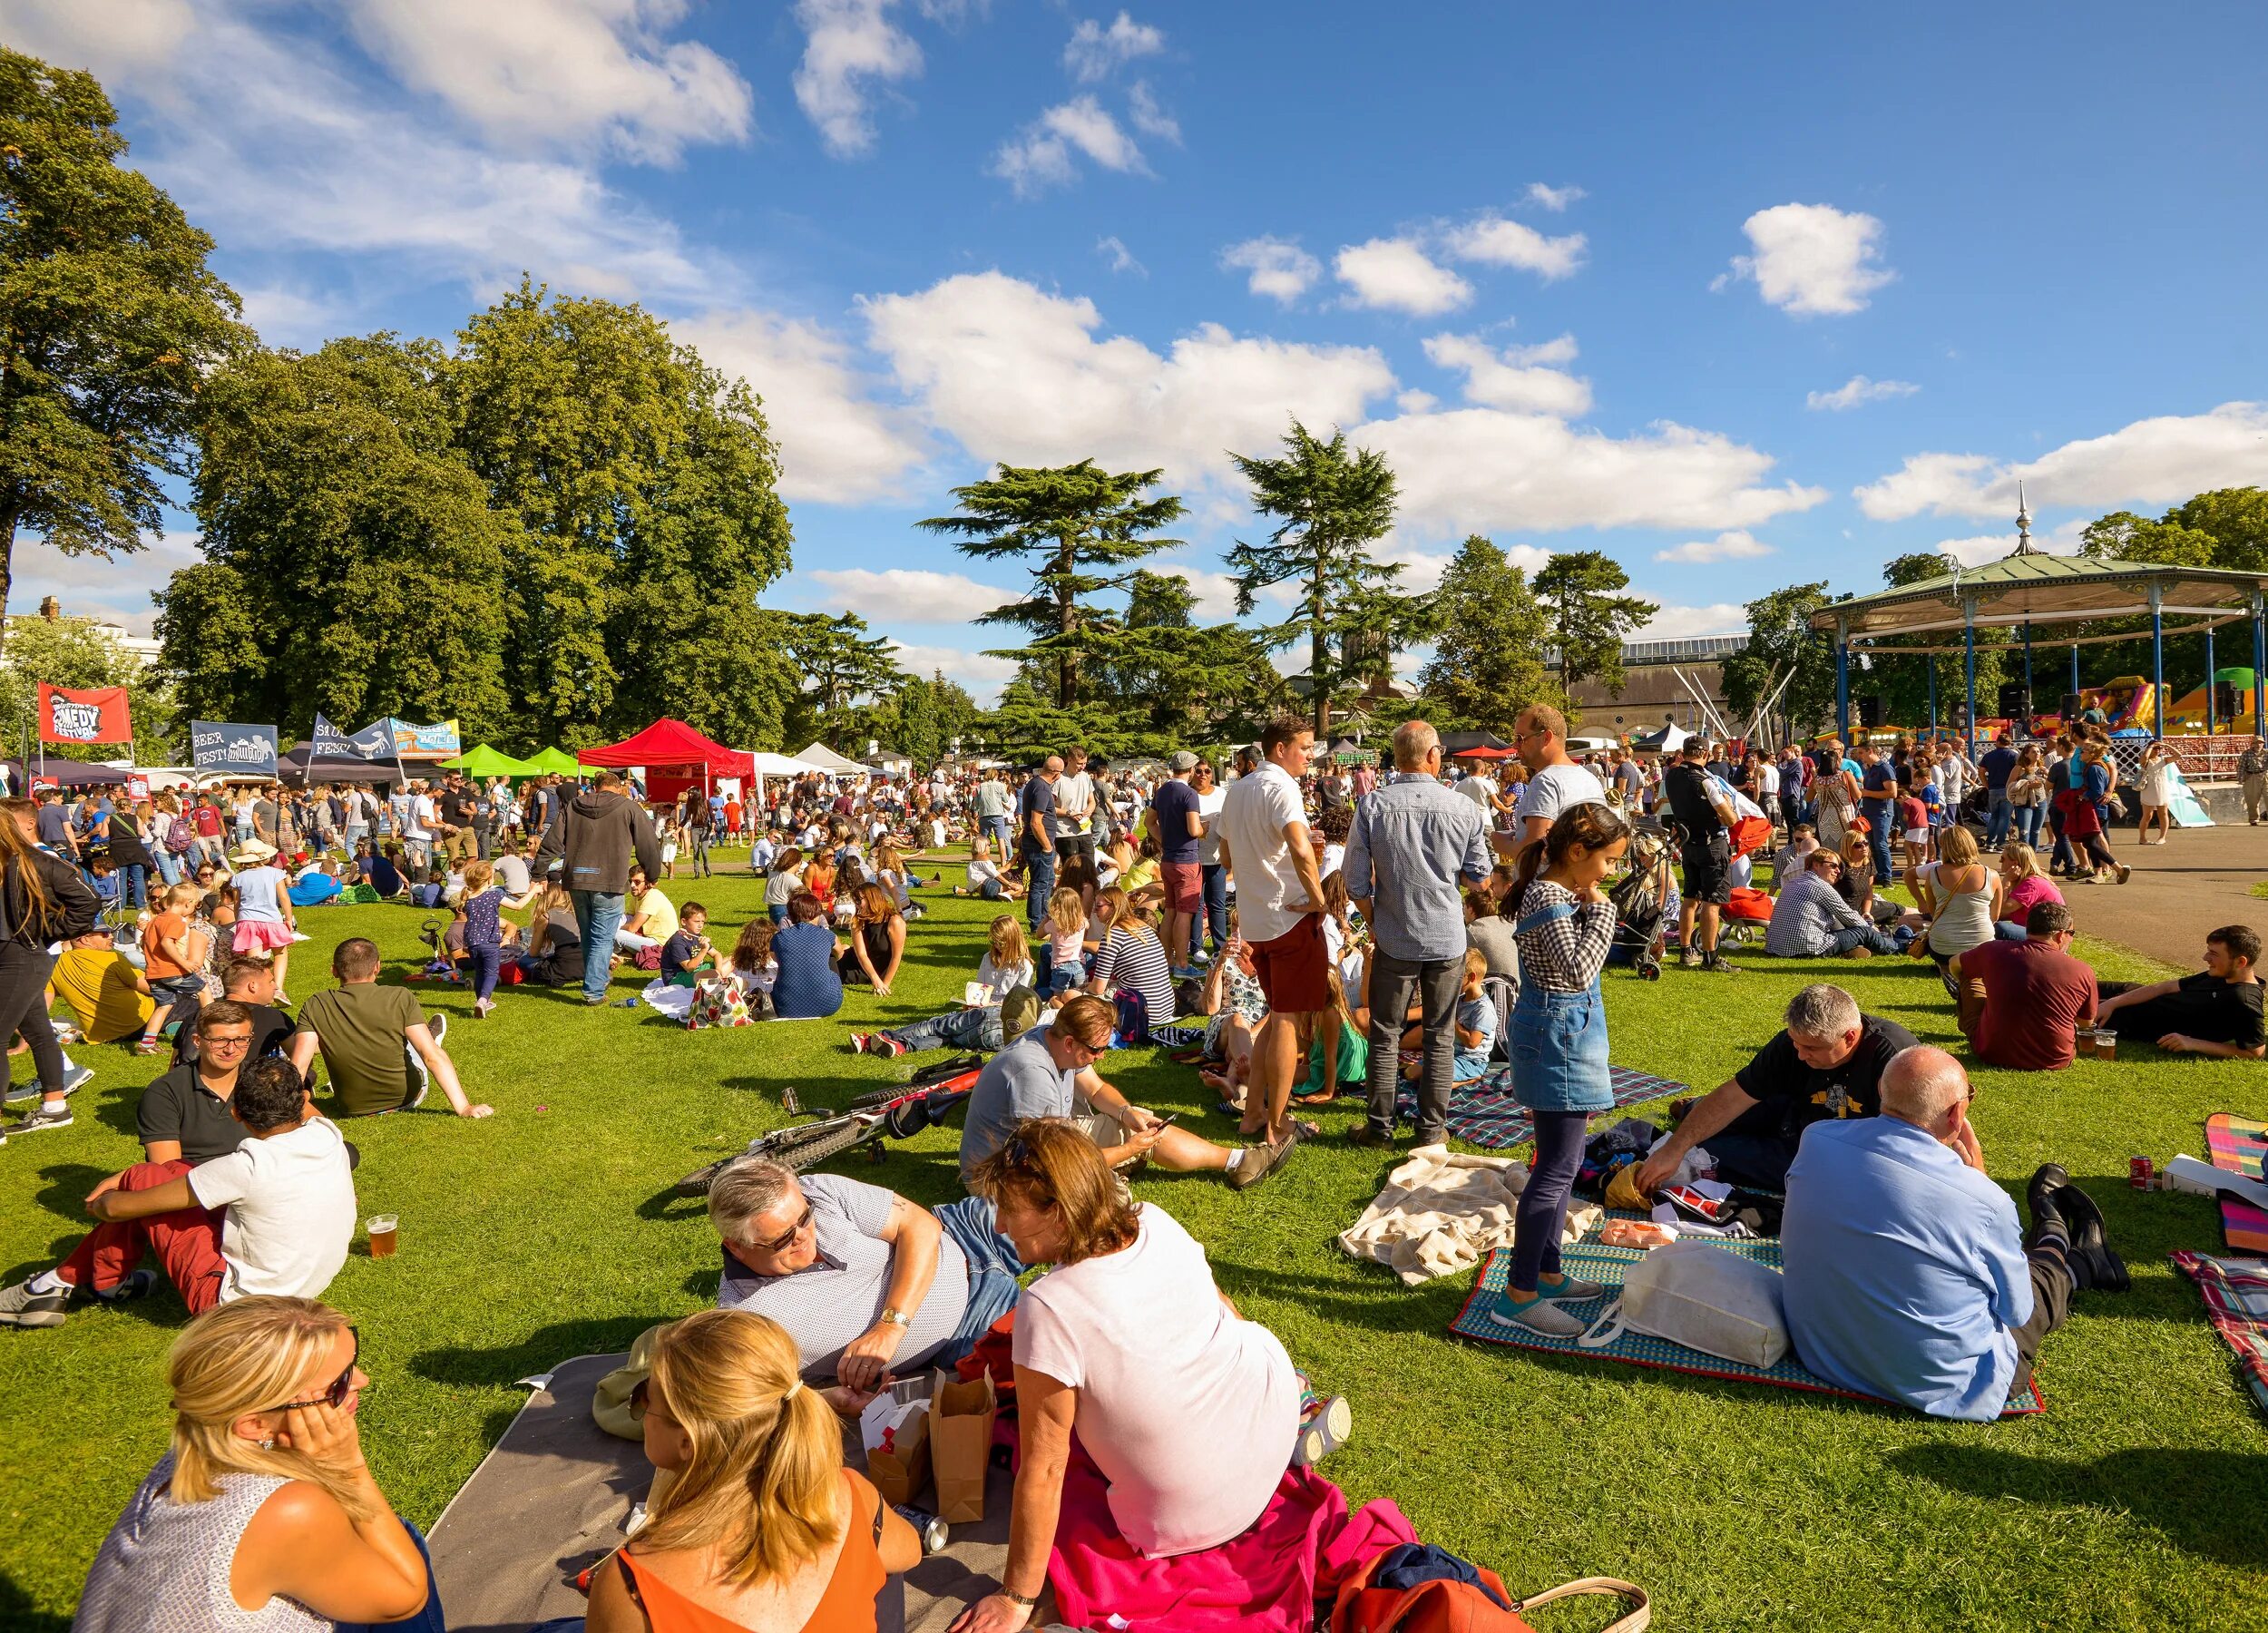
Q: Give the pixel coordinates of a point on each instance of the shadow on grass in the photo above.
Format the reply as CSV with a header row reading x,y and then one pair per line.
x,y
540,1352
2205,1503
17,1615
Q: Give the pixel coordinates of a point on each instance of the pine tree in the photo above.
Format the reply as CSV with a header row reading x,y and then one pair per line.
x,y
1578,589
1488,647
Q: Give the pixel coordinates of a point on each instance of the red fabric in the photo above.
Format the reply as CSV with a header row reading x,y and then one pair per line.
x,y
1293,969
1746,902
2035,1000
672,744
95,714
994,1352
187,1243
1751,833
1268,1579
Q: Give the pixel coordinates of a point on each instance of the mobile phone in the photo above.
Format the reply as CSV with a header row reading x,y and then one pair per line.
x,y
1167,1121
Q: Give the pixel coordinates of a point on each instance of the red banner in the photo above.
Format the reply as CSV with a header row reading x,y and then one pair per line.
x,y
97,715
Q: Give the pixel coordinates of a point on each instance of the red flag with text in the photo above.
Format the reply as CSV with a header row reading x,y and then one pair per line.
x,y
97,715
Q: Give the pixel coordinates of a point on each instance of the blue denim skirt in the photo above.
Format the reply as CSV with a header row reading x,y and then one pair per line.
x,y
1559,1050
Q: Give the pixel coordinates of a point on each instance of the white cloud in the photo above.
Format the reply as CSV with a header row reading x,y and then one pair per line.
x,y
1518,377
850,46
1094,51
2062,540
1015,373
1553,198
115,589
111,40
1683,623
1738,544
1150,119
1396,275
2158,461
1811,259
982,675
1040,156
1856,390
838,445
1279,267
1416,401
1114,251
291,316
908,595
1497,242
576,71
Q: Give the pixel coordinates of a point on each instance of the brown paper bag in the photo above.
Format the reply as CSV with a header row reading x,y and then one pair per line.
x,y
899,1473
961,1446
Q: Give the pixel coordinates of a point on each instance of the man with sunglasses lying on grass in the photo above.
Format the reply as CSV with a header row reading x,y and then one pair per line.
x,y
868,1284
273,1215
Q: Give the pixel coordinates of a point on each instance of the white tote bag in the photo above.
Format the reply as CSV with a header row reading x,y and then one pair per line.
x,y
1703,1296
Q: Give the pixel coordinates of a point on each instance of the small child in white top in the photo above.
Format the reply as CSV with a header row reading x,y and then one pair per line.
x,y
1007,962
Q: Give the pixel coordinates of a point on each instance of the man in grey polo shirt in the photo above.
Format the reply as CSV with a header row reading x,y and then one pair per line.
x,y
1412,843
867,1283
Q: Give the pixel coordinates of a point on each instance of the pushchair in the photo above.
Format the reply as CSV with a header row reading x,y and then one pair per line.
x,y
1641,899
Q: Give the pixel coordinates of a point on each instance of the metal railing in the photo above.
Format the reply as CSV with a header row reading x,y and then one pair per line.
x,y
2202,759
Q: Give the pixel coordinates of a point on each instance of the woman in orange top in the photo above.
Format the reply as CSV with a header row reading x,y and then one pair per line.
x,y
762,1530
819,877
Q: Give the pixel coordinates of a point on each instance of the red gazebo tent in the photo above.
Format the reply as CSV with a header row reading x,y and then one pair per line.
x,y
674,756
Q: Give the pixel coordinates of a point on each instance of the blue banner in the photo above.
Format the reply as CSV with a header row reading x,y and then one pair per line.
x,y
228,748
373,742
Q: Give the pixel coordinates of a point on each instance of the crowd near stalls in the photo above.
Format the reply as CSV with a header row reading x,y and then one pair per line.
x,y
1395,927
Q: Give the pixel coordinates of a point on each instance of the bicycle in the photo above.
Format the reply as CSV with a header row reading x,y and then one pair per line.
x,y
886,1114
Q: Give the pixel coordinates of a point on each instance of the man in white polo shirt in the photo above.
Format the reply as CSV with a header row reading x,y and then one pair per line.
x,y
1555,782
1265,847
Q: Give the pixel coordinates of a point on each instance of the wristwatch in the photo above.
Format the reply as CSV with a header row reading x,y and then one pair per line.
x,y
891,1313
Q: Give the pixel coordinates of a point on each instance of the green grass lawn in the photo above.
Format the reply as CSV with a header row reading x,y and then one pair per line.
x,y
550,1231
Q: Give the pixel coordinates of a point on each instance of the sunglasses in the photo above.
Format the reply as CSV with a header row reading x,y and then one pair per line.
x,y
334,1395
780,1244
640,1400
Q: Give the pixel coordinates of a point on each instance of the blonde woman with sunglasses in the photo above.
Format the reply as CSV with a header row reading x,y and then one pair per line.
x,y
262,1514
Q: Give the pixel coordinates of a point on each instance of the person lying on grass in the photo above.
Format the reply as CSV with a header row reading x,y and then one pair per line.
x,y
1190,1412
2215,1013
870,1285
1005,967
1049,1071
1906,1275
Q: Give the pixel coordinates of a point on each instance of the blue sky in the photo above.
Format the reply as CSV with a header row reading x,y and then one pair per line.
x,y
1743,296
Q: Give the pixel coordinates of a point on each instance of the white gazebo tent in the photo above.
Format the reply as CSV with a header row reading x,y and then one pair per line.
x,y
819,757
777,765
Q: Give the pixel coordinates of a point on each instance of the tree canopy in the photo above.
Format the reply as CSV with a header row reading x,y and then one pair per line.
x,y
1491,631
75,652
1780,638
111,321
1579,591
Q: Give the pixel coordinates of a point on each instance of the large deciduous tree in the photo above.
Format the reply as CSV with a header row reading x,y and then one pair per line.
x,y
1076,529
1781,638
1333,504
1580,591
1490,632
645,486
109,320
352,560
77,652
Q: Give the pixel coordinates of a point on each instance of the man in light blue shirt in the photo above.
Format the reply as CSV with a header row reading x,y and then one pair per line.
x,y
1412,844
1907,1276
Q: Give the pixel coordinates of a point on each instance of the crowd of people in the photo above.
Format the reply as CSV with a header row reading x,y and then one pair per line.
x,y
1385,932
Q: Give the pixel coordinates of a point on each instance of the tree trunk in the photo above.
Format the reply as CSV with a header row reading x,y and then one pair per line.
x,y
10,508
1318,659
1066,621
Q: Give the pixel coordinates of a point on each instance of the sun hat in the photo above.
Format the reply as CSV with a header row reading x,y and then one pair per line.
x,y
253,851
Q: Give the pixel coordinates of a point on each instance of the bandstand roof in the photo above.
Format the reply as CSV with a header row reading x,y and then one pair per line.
x,y
2035,587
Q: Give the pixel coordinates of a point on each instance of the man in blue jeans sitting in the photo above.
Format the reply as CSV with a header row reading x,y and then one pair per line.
x,y
868,1284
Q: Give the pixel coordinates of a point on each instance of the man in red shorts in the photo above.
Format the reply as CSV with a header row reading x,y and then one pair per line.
x,y
1175,824
1265,847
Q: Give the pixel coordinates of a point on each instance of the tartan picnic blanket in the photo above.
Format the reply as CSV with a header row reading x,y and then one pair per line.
x,y
2239,1145
1591,1261
1484,1113
2236,1292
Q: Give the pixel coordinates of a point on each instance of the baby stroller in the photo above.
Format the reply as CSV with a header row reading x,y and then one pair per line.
x,y
1641,899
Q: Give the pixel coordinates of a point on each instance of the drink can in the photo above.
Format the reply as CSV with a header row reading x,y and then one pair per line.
x,y
928,1527
2138,1173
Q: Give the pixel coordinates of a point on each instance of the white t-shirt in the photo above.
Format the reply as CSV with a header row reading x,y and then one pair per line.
x,y
1209,808
1253,819
1189,1411
998,983
1558,788
1768,780
1479,789
258,894
1074,793
291,1210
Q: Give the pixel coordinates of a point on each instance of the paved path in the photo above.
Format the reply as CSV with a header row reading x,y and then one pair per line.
x,y
2201,878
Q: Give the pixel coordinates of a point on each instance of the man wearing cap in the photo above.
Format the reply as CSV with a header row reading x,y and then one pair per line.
x,y
1175,824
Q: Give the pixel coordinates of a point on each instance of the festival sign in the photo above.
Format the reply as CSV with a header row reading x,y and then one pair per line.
x,y
437,741
97,715
228,748
373,742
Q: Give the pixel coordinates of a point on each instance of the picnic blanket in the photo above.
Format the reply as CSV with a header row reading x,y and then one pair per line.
x,y
2239,1145
1484,1113
1593,1262
1441,1210
2236,1292
551,1498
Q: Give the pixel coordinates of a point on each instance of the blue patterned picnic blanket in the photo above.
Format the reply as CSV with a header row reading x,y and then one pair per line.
x,y
1592,1262
1484,1113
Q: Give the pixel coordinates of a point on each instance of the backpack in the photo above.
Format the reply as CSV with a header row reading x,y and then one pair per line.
x,y
1456,1602
177,837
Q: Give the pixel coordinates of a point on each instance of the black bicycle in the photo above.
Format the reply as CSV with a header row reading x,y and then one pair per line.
x,y
886,1114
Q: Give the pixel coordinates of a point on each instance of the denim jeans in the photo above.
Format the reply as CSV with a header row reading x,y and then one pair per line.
x,y
1000,831
955,1028
2027,823
428,1620
133,885
1862,935
168,866
1042,865
1998,812
598,916
1878,846
1434,983
994,1267
1216,918
488,962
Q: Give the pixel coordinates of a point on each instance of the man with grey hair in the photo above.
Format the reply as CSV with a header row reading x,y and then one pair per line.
x,y
1906,1275
868,1284
1826,1066
1413,843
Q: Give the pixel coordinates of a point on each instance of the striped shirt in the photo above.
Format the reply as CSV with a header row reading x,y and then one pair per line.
x,y
842,1292
1136,959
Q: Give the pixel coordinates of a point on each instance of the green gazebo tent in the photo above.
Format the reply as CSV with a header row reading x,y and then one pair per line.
x,y
485,761
553,759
